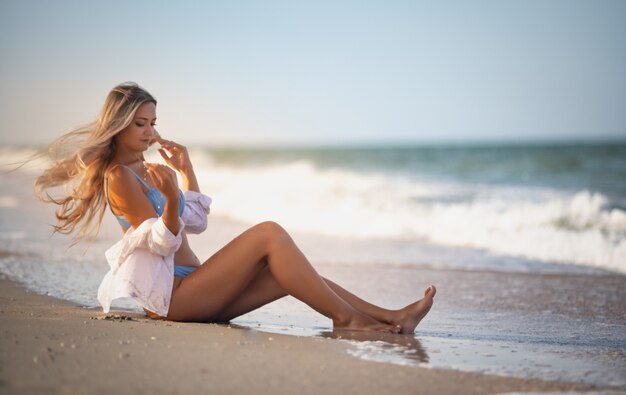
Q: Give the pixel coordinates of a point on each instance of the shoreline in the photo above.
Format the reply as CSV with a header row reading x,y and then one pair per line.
x,y
54,346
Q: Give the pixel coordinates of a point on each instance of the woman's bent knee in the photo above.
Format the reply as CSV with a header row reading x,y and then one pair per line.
x,y
270,226
272,232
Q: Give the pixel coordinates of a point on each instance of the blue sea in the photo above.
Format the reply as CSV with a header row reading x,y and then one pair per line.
x,y
532,208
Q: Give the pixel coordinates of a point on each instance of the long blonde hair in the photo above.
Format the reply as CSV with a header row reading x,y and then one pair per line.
x,y
83,155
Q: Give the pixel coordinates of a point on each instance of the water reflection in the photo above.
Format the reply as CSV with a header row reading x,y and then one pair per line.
x,y
375,346
384,347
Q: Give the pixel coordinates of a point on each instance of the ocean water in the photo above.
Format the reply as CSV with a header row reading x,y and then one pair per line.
x,y
388,221
532,208
558,204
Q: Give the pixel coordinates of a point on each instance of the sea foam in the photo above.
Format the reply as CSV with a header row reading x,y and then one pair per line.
x,y
541,223
531,222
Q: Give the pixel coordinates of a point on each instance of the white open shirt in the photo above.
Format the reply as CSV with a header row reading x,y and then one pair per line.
x,y
142,263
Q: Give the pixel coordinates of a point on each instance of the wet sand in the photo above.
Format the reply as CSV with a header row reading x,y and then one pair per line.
x,y
550,326
50,346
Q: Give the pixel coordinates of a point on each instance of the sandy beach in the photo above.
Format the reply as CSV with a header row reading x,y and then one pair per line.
x,y
498,325
53,346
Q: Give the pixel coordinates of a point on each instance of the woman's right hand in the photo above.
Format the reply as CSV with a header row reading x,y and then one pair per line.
x,y
164,179
178,158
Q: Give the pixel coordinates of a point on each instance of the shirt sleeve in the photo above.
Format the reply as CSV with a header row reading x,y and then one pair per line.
x,y
197,208
151,235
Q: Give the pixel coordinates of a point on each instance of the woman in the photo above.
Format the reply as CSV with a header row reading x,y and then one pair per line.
x,y
154,264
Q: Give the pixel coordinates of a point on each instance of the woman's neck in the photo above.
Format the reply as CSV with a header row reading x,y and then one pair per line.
x,y
127,157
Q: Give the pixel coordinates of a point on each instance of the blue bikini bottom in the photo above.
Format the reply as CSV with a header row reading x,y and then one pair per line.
x,y
183,271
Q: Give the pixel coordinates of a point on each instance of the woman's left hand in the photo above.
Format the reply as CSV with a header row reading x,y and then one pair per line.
x,y
175,155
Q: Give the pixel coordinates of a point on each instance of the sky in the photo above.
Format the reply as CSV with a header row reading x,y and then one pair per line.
x,y
276,73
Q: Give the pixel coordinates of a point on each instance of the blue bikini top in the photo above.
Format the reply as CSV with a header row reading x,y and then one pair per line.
x,y
154,195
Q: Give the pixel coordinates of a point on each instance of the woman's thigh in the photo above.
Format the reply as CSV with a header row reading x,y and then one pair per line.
x,y
262,290
206,292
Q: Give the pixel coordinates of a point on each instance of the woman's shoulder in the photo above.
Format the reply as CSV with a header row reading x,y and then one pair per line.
x,y
121,177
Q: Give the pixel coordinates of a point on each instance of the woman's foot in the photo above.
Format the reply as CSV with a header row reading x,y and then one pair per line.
x,y
361,322
412,314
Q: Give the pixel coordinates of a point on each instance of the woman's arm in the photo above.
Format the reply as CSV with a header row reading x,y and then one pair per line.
x,y
190,182
197,205
128,199
164,180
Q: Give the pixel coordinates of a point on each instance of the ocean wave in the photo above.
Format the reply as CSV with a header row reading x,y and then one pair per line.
x,y
530,222
581,227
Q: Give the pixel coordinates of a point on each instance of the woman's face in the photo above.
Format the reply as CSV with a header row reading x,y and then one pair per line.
x,y
140,134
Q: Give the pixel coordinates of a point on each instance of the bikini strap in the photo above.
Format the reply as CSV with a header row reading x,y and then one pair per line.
x,y
106,184
141,180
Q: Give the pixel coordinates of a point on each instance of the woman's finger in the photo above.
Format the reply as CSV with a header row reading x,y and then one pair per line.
x,y
162,141
153,166
153,176
166,172
162,171
168,143
164,156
